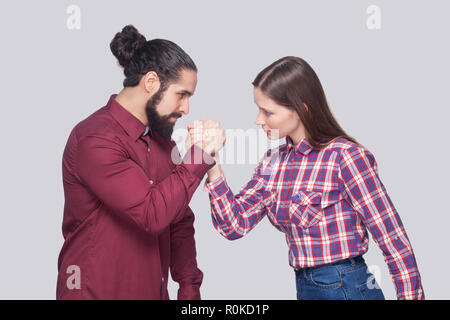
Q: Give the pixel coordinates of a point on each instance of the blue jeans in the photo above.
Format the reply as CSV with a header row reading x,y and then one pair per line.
x,y
346,279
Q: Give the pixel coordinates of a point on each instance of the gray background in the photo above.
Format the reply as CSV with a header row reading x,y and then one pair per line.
x,y
388,88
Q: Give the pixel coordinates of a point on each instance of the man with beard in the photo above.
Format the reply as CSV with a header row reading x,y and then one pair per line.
x,y
126,216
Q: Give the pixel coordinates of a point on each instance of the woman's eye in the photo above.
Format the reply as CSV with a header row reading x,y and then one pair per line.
x,y
267,113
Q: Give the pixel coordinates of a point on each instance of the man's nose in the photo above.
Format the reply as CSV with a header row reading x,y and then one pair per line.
x,y
184,108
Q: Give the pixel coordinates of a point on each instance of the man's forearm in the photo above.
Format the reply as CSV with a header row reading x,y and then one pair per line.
x,y
183,262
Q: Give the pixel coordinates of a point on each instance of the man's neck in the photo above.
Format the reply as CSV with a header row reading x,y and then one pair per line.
x,y
133,103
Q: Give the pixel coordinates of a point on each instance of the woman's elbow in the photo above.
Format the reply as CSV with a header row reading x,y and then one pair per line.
x,y
231,234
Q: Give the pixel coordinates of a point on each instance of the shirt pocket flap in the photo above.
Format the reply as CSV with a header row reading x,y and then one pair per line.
x,y
305,208
305,198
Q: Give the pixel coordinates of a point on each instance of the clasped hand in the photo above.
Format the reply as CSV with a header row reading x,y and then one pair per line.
x,y
206,134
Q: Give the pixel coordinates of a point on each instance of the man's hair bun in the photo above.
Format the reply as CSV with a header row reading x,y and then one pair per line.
x,y
126,43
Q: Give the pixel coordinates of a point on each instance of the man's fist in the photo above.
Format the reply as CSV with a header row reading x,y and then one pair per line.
x,y
206,134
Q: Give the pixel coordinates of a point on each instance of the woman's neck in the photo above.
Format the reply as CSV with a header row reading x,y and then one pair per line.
x,y
298,135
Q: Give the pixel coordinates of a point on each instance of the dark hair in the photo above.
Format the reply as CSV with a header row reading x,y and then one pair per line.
x,y
290,81
138,56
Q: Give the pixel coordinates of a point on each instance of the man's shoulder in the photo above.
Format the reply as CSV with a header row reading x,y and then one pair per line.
x,y
100,124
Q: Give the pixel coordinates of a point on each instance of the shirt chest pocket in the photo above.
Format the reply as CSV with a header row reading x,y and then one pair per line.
x,y
307,208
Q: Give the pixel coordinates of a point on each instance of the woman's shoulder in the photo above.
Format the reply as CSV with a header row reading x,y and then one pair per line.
x,y
343,145
348,150
340,145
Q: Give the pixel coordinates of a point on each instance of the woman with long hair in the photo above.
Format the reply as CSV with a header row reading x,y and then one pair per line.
x,y
321,188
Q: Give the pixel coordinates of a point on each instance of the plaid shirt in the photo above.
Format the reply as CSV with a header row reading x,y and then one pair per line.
x,y
323,201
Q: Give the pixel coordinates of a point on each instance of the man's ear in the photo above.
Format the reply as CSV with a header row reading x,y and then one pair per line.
x,y
151,82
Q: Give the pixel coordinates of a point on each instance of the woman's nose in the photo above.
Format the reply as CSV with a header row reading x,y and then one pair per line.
x,y
259,120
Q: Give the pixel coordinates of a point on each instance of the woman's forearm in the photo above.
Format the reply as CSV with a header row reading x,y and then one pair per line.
x,y
215,171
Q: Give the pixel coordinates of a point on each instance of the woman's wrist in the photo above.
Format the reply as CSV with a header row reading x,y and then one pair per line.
x,y
214,172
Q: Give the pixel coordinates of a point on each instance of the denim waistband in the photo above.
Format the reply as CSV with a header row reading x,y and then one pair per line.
x,y
352,260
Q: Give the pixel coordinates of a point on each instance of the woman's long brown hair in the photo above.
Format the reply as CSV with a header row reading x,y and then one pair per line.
x,y
291,82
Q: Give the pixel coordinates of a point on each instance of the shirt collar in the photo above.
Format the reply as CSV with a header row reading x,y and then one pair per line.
x,y
147,129
132,125
303,146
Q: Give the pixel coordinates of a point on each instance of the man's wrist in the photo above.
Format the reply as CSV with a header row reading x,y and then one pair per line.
x,y
198,161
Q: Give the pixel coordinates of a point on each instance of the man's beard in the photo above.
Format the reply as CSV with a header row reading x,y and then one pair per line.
x,y
160,124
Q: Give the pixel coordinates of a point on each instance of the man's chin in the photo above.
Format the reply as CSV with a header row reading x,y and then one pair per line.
x,y
166,133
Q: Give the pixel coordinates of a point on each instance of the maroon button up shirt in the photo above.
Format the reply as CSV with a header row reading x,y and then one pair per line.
x,y
126,215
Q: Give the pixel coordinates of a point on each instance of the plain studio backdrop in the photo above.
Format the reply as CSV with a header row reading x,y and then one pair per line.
x,y
384,68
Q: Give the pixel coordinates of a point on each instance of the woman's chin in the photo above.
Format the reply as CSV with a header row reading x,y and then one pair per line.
x,y
272,136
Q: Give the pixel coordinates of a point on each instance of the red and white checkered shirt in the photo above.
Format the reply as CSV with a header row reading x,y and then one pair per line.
x,y
323,201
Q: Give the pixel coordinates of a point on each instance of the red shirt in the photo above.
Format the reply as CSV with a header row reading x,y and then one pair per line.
x,y
126,215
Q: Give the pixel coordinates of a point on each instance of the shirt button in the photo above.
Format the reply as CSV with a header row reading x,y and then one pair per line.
x,y
151,181
162,279
148,149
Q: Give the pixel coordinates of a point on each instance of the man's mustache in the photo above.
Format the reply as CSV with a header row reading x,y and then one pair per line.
x,y
175,114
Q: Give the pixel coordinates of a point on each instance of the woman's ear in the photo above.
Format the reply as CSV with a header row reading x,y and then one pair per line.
x,y
306,106
151,82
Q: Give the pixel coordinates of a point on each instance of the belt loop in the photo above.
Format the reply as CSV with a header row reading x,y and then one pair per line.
x,y
308,273
352,260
